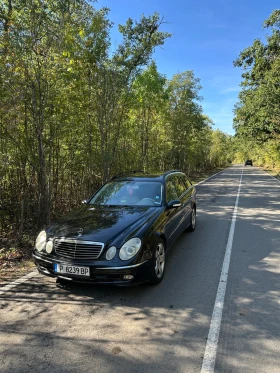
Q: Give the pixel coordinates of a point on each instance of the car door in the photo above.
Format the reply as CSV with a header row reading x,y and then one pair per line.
x,y
184,189
173,215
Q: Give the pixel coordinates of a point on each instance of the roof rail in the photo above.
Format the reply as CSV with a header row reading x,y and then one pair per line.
x,y
170,171
126,173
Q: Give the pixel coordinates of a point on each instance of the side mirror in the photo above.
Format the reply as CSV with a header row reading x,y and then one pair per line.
x,y
84,201
173,204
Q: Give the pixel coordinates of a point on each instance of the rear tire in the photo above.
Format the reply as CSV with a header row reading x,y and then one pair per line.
x,y
158,263
192,225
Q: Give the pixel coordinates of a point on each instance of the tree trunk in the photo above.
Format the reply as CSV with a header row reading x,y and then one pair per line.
x,y
43,190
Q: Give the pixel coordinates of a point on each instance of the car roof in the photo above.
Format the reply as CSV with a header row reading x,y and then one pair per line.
x,y
144,176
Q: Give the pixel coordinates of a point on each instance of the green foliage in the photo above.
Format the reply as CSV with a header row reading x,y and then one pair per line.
x,y
221,149
73,113
139,41
267,155
257,113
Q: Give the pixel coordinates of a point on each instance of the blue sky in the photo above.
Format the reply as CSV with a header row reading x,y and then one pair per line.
x,y
207,37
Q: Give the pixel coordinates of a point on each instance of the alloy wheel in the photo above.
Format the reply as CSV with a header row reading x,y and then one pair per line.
x,y
160,260
193,219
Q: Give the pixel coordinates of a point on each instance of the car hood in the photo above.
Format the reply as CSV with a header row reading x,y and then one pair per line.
x,y
102,223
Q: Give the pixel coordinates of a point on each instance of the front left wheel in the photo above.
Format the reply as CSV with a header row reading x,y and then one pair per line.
x,y
158,263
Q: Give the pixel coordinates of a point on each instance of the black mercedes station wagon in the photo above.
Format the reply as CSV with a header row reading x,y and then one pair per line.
x,y
121,234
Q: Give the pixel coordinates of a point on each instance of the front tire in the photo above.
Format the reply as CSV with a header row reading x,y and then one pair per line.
x,y
158,263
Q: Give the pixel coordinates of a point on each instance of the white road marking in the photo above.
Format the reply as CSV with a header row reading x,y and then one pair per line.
x,y
17,282
210,353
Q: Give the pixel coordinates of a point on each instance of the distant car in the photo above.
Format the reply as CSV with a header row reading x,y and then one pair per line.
x,y
121,234
248,162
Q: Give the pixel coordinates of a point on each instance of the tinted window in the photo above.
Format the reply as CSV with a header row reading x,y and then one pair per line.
x,y
171,192
180,185
129,192
186,181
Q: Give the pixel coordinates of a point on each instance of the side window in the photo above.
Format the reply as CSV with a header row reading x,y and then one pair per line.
x,y
180,185
186,181
171,192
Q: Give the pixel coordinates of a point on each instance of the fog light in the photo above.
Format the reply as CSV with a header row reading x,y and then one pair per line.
x,y
111,252
49,247
128,277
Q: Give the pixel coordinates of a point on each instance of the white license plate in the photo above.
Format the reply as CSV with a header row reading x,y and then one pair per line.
x,y
71,270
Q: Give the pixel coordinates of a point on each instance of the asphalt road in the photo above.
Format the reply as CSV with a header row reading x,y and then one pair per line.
x,y
44,328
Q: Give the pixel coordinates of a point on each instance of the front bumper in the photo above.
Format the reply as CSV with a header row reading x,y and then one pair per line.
x,y
98,274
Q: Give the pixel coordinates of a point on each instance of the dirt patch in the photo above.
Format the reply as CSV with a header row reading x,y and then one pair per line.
x,y
10,274
15,259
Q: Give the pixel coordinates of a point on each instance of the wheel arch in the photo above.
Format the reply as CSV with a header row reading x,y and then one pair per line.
x,y
163,237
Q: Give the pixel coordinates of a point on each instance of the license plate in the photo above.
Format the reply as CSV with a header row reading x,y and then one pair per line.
x,y
71,270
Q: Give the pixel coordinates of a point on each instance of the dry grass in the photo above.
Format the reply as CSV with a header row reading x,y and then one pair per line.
x,y
196,178
273,171
15,258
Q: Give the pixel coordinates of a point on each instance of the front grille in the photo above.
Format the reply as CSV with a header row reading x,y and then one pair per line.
x,y
77,249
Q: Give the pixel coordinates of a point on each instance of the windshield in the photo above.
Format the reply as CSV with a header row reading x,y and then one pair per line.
x,y
129,193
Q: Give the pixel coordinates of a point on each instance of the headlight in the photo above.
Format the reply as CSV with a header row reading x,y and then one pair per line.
x,y
130,248
111,252
41,241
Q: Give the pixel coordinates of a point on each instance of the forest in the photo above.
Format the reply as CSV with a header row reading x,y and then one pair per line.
x,y
74,110
257,113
